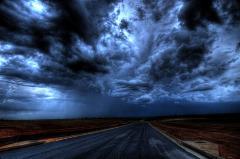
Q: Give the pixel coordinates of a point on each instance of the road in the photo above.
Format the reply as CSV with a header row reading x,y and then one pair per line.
x,y
134,141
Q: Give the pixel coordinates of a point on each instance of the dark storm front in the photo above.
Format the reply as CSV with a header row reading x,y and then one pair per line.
x,y
55,56
134,141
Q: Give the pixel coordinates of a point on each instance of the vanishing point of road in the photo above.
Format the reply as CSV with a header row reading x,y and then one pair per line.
x,y
134,141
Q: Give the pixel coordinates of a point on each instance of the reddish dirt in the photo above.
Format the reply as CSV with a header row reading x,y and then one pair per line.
x,y
14,131
224,132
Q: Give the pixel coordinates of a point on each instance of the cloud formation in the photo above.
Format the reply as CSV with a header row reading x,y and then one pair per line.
x,y
139,51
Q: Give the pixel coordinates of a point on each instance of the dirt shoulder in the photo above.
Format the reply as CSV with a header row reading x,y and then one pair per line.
x,y
215,136
19,131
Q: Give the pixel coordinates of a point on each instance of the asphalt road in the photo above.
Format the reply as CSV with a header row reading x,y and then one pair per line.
x,y
134,141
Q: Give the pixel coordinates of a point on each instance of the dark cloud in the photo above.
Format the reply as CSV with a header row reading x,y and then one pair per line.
x,y
138,51
191,55
187,54
231,11
134,85
96,66
54,36
12,108
195,12
164,67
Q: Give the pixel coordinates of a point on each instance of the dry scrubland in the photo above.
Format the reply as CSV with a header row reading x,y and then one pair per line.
x,y
222,131
15,131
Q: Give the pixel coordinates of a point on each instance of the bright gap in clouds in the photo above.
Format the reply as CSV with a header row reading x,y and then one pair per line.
x,y
3,61
32,65
37,6
45,93
5,46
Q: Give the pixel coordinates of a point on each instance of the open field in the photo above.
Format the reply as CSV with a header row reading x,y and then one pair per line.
x,y
16,131
217,135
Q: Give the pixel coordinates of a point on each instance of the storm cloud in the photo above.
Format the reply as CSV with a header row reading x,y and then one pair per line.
x,y
138,51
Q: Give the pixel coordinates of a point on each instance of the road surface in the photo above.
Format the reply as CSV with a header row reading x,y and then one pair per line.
x,y
133,141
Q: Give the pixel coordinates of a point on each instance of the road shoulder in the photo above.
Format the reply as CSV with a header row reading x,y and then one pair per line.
x,y
28,143
200,155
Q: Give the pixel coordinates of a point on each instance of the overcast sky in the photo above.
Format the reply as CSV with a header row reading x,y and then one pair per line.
x,y
76,58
